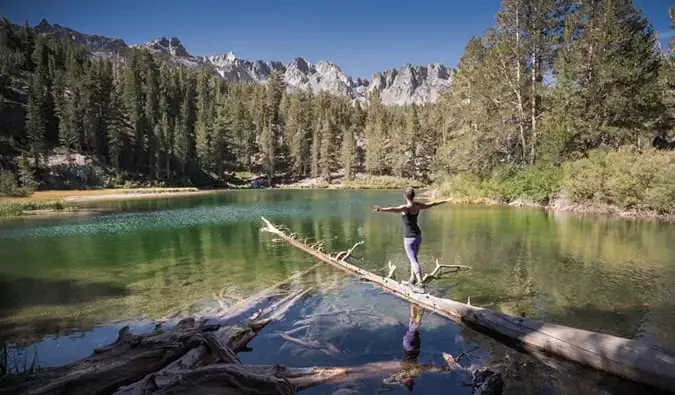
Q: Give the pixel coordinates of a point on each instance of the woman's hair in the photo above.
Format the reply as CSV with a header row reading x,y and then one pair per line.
x,y
409,193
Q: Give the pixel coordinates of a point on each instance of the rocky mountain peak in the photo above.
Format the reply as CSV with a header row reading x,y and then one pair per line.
x,y
412,84
98,46
171,46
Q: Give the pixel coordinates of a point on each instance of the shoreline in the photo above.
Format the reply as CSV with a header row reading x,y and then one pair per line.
x,y
563,207
64,197
134,195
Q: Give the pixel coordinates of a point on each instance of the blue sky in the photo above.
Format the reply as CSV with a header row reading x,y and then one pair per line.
x,y
361,36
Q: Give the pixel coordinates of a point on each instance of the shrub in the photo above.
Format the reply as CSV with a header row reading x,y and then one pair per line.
x,y
9,185
534,183
625,178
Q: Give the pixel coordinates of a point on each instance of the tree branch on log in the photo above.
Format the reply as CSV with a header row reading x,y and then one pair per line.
x,y
349,251
436,273
392,269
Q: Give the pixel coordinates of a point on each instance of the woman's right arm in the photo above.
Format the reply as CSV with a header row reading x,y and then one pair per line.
x,y
398,209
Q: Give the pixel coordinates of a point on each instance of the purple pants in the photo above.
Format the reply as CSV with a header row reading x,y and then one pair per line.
x,y
412,247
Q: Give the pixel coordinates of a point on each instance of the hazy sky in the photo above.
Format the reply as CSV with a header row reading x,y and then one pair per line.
x,y
361,36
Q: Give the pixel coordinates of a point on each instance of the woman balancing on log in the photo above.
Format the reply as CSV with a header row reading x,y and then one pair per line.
x,y
412,235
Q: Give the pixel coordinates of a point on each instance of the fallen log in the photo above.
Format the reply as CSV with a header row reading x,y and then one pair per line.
x,y
141,364
245,379
630,359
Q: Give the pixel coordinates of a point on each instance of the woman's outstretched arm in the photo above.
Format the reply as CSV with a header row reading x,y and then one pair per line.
x,y
433,204
398,209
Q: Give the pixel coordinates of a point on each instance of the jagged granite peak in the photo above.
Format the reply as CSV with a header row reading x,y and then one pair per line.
x,y
412,84
98,46
171,46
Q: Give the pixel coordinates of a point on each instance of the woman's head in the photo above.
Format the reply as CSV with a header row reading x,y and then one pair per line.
x,y
409,193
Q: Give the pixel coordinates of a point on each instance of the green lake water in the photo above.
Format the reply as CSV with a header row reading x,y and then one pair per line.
x,y
68,284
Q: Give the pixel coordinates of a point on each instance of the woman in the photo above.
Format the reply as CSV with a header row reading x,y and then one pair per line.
x,y
412,235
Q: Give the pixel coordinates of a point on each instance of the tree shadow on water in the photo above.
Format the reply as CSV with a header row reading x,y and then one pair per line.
x,y
17,293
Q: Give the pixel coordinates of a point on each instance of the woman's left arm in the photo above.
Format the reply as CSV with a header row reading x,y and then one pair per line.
x,y
433,204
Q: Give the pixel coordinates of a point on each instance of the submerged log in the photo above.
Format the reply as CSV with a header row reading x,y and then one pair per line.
x,y
630,359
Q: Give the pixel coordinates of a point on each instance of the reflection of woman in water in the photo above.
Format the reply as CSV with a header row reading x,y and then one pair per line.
x,y
411,349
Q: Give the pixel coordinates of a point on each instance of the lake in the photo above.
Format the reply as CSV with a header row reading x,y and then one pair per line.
x,y
68,284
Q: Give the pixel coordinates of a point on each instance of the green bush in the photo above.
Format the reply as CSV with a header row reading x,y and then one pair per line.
x,y
507,183
583,179
9,185
536,184
463,187
381,182
625,178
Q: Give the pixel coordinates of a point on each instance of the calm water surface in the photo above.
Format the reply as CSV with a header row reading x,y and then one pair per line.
x,y
68,284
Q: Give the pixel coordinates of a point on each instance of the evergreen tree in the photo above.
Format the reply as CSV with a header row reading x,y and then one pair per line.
x,y
242,128
295,134
134,103
275,90
267,148
26,176
349,158
153,128
27,45
327,155
416,165
35,117
184,140
609,75
116,128
203,133
374,135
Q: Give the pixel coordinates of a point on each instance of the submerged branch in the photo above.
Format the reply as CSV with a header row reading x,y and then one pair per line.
x,y
436,273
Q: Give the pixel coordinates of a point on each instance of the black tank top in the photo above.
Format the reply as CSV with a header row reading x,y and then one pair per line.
x,y
410,227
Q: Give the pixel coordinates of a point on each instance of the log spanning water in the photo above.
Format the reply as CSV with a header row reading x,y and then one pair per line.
x,y
630,359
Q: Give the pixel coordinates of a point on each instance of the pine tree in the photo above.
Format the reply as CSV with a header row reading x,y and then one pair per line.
x,y
222,132
416,165
26,176
242,128
609,75
116,128
203,133
153,129
27,46
295,134
267,148
184,140
374,135
35,118
327,151
349,159
134,103
275,90
41,60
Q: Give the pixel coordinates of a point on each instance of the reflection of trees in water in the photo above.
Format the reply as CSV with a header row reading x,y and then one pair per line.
x,y
525,262
603,275
17,361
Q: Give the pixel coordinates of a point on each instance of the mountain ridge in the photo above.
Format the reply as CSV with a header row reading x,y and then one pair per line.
x,y
402,86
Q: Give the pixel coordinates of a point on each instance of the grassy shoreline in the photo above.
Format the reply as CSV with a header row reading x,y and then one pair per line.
x,y
52,202
64,202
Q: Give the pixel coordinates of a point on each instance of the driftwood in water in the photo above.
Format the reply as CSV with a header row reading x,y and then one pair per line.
x,y
159,362
631,359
